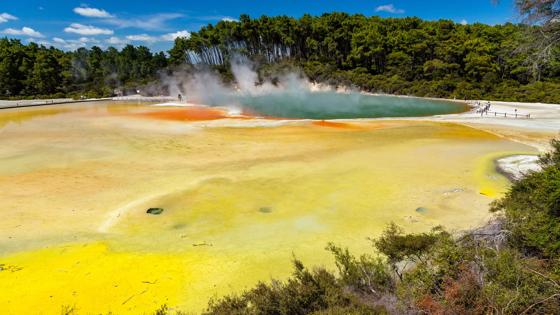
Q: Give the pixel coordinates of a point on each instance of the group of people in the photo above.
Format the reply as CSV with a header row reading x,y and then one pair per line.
x,y
482,108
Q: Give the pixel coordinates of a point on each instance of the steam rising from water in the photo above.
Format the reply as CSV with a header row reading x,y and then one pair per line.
x,y
294,96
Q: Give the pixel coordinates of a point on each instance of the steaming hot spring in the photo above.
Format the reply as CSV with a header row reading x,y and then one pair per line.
x,y
138,205
294,97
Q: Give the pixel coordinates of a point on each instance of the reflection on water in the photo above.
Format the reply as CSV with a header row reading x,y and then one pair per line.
x,y
237,202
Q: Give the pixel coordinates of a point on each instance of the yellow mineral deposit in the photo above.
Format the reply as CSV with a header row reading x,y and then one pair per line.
x,y
240,197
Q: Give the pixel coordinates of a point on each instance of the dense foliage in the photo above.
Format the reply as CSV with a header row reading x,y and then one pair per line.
x,y
397,56
306,292
402,56
33,70
532,209
510,266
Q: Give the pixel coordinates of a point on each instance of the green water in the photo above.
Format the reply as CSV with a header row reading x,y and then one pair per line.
x,y
333,105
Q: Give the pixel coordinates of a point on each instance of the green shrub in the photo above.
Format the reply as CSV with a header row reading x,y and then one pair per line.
x,y
305,292
531,209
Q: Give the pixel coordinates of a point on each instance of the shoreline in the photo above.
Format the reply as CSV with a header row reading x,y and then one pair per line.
x,y
544,118
5,104
10,104
536,131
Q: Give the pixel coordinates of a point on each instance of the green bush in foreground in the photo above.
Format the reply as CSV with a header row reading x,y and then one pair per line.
x,y
511,266
306,292
532,209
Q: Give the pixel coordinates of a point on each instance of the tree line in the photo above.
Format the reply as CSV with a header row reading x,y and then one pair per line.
x,y
390,55
34,70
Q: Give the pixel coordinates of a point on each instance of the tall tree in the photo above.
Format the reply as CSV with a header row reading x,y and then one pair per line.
x,y
545,39
47,73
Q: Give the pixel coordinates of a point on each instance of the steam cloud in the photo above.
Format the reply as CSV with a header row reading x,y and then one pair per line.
x,y
205,87
292,95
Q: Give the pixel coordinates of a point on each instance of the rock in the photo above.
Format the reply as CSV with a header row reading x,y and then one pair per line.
x,y
516,167
154,211
421,210
11,268
492,234
202,244
453,191
265,210
178,226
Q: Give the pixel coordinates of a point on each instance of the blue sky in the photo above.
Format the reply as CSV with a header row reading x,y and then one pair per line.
x,y
155,23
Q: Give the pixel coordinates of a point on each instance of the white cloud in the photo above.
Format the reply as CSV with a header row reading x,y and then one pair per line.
x,y
87,30
464,22
229,19
142,38
92,12
87,40
39,42
63,43
389,8
172,36
120,41
117,41
71,44
169,37
153,22
5,17
24,31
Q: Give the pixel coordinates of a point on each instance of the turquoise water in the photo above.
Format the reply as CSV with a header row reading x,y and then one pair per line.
x,y
333,105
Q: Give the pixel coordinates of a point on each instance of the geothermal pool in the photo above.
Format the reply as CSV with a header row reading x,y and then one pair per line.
x,y
332,105
240,197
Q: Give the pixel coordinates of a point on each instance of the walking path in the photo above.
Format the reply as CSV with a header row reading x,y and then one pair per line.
x,y
543,117
43,102
29,103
